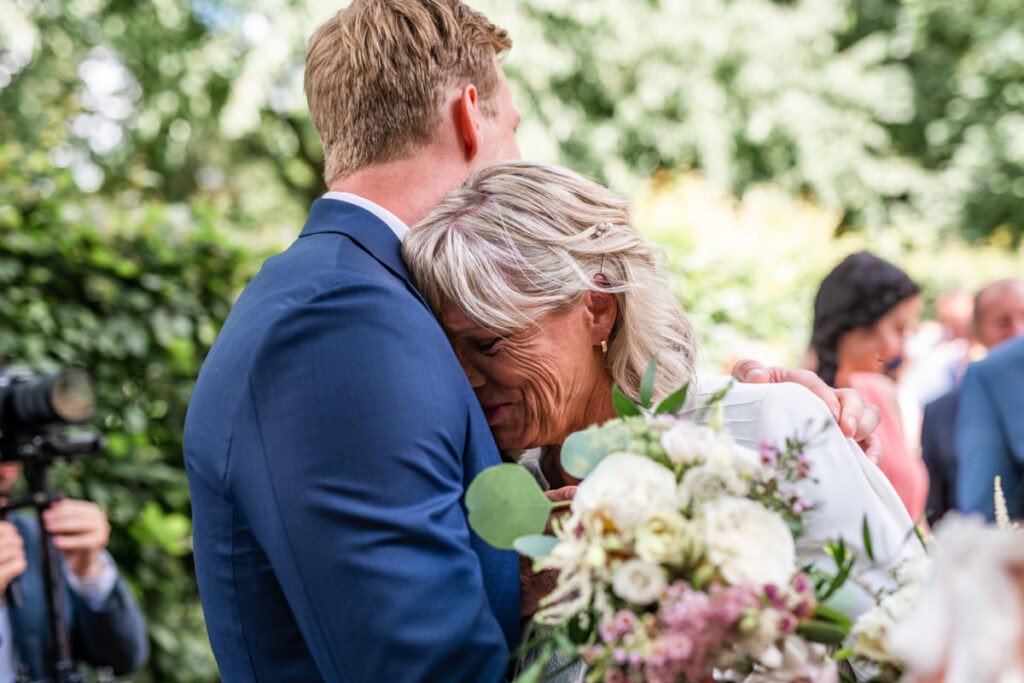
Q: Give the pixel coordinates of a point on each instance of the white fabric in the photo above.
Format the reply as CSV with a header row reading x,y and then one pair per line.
x,y
394,222
848,486
95,590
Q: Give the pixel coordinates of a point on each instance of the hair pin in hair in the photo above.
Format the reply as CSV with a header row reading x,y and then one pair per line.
x,y
601,228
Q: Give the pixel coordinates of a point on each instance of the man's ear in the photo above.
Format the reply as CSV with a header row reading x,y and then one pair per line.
x,y
602,310
467,120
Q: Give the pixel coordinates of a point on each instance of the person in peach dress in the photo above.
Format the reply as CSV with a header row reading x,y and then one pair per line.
x,y
862,314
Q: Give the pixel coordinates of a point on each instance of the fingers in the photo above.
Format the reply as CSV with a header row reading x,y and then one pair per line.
x,y
560,495
77,526
872,447
12,554
869,422
753,372
750,371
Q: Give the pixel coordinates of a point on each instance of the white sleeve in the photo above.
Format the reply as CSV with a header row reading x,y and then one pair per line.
x,y
844,486
95,589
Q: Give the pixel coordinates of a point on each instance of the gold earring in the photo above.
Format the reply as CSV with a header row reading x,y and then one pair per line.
x,y
604,346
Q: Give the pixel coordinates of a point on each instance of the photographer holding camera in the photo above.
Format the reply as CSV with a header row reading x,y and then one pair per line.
x,y
64,600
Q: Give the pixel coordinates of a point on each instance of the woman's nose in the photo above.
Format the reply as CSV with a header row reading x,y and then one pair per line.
x,y
476,378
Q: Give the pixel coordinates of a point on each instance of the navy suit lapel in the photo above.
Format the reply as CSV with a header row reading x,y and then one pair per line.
x,y
373,235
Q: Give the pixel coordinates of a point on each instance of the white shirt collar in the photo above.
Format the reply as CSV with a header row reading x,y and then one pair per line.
x,y
394,222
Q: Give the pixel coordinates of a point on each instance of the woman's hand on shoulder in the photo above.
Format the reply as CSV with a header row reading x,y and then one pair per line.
x,y
856,418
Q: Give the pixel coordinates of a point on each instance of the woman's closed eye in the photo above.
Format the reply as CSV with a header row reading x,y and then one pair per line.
x,y
487,346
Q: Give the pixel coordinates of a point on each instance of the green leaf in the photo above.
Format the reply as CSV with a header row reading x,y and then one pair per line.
x,y
647,383
866,533
674,402
845,653
624,406
535,545
504,503
582,451
826,632
834,616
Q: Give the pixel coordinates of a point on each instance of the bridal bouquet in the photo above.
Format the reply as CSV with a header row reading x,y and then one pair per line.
x,y
676,561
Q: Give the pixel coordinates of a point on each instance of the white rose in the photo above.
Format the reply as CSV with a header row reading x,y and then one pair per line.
x,y
688,443
748,542
624,489
664,537
638,582
705,482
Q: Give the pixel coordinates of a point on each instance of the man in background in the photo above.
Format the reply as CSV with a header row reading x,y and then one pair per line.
x,y
998,316
107,628
990,431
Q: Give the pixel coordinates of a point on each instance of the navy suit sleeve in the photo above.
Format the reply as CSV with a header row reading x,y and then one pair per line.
x,y
353,487
113,635
981,447
931,453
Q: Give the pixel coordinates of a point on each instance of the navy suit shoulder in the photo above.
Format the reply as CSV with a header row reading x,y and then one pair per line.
x,y
328,444
990,430
113,635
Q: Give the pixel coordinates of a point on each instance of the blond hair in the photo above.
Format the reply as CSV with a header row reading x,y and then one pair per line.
x,y
521,240
377,71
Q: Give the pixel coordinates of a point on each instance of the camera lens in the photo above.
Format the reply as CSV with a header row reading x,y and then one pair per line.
x,y
67,396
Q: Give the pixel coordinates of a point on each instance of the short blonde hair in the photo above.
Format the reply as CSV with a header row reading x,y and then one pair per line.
x,y
521,240
377,71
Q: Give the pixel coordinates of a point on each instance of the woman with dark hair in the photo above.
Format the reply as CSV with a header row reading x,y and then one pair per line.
x,y
862,313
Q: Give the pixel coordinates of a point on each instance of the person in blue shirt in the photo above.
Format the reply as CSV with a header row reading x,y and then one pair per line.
x,y
106,626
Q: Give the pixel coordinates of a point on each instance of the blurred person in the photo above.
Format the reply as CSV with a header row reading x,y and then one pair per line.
x,y
999,312
990,431
998,315
862,312
107,628
939,351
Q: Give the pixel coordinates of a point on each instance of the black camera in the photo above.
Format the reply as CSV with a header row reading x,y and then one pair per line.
x,y
33,408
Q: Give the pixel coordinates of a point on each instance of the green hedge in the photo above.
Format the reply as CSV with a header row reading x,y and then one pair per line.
x,y
138,303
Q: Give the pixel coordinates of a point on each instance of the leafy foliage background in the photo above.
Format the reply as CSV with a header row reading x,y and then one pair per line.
x,y
152,153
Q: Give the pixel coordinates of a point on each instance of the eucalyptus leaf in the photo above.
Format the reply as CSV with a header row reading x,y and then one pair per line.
x,y
504,503
582,451
624,405
673,402
647,383
535,545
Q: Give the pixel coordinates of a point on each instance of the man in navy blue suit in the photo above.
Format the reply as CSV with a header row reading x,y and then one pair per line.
x,y
990,431
332,433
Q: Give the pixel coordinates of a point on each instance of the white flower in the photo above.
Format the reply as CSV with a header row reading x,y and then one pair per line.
x,y
705,482
624,489
664,537
638,582
748,542
689,443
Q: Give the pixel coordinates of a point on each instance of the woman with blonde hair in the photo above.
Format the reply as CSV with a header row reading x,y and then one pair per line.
x,y
549,296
